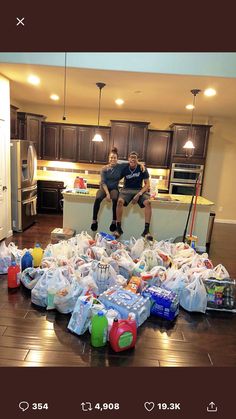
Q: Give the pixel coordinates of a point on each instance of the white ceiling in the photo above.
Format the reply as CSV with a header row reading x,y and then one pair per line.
x,y
159,92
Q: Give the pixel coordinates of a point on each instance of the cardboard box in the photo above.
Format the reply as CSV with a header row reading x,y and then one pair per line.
x,y
61,234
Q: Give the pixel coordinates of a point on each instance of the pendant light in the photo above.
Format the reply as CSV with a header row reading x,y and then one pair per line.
x,y
97,137
65,75
189,146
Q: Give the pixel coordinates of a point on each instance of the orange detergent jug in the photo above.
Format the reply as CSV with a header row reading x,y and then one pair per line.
x,y
123,334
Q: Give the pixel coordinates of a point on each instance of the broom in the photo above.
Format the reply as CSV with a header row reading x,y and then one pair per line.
x,y
182,238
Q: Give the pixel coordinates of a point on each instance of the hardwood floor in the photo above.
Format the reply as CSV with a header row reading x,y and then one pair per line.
x,y
36,337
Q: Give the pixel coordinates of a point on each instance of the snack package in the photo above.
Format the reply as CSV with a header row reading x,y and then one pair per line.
x,y
221,294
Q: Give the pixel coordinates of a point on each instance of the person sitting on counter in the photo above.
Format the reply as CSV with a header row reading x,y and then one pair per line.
x,y
134,191
110,177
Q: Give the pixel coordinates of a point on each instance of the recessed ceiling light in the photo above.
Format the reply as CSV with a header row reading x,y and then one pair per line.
x,y
210,92
119,101
34,79
189,107
54,97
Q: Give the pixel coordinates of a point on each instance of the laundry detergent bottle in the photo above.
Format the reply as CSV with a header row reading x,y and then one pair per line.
x,y
37,254
26,261
123,334
99,330
13,275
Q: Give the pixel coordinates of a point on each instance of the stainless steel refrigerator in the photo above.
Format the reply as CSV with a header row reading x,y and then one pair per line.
x,y
23,184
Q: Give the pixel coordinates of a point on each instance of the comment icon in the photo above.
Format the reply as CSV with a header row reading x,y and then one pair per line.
x,y
24,406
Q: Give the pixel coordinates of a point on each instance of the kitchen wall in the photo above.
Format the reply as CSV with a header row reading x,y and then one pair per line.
x,y
219,175
5,116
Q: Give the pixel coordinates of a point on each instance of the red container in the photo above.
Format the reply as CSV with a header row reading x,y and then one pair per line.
x,y
79,183
13,276
123,335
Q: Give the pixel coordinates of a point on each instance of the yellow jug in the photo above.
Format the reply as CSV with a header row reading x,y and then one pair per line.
x,y
37,254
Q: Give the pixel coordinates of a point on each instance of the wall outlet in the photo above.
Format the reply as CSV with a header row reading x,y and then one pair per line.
x,y
220,209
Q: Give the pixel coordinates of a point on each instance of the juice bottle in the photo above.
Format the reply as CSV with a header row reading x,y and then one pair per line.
x,y
99,330
37,254
13,276
123,334
26,261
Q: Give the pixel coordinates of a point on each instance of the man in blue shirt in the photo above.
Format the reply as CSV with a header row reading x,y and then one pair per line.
x,y
134,191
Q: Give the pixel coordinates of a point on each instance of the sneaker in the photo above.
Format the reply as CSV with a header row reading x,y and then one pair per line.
x,y
113,227
94,226
146,234
118,231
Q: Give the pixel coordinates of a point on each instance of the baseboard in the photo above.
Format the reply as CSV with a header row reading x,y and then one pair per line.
x,y
220,220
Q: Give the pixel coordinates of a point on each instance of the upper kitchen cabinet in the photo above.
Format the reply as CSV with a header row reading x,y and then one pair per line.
x,y
200,136
29,128
14,131
129,136
50,141
73,143
158,148
68,143
85,149
89,151
101,150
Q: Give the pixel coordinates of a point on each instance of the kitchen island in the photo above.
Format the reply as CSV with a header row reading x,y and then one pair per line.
x,y
169,215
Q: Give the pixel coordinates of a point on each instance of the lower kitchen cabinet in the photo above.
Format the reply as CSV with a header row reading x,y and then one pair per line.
x,y
49,196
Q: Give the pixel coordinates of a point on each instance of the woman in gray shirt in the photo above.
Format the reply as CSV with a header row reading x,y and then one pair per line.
x,y
110,177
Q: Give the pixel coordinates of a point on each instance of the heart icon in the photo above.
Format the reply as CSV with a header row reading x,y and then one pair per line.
x,y
149,406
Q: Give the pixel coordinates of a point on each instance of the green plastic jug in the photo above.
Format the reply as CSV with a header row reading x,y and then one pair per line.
x,y
99,330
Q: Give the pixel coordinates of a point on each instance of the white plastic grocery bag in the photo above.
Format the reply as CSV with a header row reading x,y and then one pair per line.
x,y
5,258
80,318
221,272
194,297
137,248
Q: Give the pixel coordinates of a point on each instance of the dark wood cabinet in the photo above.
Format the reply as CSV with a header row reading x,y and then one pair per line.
x,y
50,141
85,148
101,150
120,137
14,131
29,128
137,138
158,148
129,136
49,196
74,143
68,143
199,135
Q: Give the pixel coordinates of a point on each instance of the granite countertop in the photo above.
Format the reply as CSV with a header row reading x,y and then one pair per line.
x,y
162,198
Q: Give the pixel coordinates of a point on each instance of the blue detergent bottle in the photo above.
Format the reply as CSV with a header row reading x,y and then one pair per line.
x,y
26,261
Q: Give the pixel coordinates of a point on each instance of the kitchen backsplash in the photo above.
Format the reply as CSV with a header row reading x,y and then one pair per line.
x,y
67,171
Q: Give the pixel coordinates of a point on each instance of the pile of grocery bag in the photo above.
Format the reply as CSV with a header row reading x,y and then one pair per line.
x,y
112,287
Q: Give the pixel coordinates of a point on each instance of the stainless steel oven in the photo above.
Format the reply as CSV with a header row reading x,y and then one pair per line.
x,y
183,178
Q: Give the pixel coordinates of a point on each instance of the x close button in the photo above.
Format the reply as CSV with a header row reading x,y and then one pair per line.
x,y
20,21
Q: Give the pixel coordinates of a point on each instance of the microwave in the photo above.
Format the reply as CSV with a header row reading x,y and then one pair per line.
x,y
186,173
